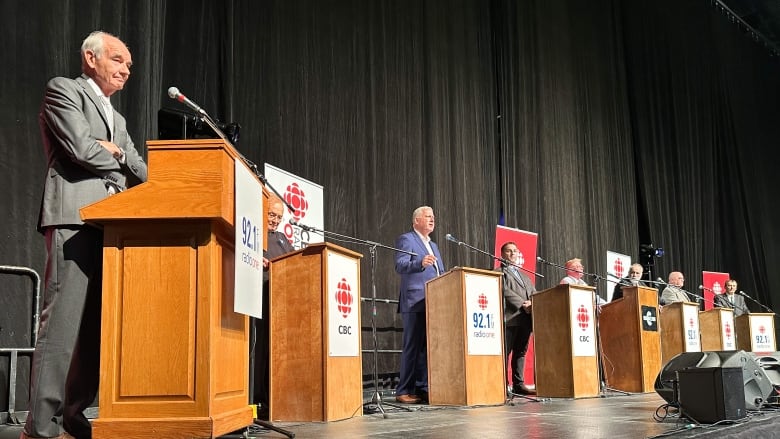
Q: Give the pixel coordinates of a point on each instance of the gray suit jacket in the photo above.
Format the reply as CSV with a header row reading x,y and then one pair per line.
x,y
672,294
517,288
739,306
72,120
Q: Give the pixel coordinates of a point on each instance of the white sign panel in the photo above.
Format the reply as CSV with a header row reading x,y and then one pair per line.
x,y
763,334
727,331
617,268
483,315
343,306
250,233
305,198
691,328
583,324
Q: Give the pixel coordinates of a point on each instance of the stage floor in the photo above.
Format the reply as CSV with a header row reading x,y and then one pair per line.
x,y
613,416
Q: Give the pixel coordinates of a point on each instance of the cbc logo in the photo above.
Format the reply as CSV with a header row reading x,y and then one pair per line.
x,y
344,300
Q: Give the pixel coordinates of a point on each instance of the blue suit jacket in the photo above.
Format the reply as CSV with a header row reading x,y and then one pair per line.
x,y
413,276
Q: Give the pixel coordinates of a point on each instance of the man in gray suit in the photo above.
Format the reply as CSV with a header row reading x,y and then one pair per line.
x,y
731,300
673,291
517,289
89,157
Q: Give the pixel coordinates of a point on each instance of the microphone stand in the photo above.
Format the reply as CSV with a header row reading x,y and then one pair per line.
x,y
766,308
376,397
504,262
490,255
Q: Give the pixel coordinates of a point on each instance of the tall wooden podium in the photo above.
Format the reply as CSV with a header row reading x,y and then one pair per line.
x,y
631,341
464,318
717,330
756,332
173,355
679,329
315,353
565,337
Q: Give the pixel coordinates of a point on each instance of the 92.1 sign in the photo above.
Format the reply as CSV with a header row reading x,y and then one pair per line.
x,y
483,320
249,237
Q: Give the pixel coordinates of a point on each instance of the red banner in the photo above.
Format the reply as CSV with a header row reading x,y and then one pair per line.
x,y
713,283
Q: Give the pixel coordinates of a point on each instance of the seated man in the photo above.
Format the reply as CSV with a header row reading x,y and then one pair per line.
x,y
633,279
673,291
731,300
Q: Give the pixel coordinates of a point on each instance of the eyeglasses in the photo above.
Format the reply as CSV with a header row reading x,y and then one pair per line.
x,y
273,216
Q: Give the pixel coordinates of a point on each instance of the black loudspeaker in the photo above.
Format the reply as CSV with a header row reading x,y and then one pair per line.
x,y
756,384
711,394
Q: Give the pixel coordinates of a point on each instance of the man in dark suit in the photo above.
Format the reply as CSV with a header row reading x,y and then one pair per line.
x,y
415,271
518,321
731,300
89,156
277,245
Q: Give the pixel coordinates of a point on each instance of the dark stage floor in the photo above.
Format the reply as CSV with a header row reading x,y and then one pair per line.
x,y
612,417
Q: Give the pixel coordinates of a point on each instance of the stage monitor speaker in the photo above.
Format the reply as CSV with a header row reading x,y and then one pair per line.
x,y
711,394
756,384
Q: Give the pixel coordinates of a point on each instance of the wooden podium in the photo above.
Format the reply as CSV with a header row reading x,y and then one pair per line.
x,y
565,337
464,318
756,332
679,329
717,330
173,355
631,341
314,293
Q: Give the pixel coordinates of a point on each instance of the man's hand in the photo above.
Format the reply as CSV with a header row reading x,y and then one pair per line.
x,y
112,148
428,260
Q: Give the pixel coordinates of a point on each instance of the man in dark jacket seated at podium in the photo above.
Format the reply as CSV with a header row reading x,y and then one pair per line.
x,y
277,245
634,277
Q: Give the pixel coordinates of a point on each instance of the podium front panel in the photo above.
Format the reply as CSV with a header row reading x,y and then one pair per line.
x,y
756,332
718,332
564,330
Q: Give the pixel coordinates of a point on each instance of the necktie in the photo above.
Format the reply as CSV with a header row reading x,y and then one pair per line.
x,y
109,110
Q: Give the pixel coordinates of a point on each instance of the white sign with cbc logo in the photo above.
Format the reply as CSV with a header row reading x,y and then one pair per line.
x,y
583,332
343,304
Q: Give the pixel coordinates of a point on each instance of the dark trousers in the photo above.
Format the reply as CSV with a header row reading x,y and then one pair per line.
x,y
414,355
517,338
65,366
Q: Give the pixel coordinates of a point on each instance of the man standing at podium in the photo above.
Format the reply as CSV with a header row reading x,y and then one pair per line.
x,y
517,289
731,300
89,157
574,272
277,245
415,271
673,291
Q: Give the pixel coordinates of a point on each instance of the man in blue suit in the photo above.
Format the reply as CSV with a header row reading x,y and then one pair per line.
x,y
415,271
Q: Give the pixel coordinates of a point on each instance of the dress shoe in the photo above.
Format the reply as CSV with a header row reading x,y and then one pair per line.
x,y
522,389
407,399
423,397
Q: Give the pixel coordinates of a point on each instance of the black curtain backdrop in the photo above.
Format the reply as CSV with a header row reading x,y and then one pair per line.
x,y
600,125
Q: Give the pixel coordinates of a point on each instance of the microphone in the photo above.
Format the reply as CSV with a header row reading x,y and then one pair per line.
x,y
702,287
299,224
661,281
174,93
742,293
539,259
453,239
